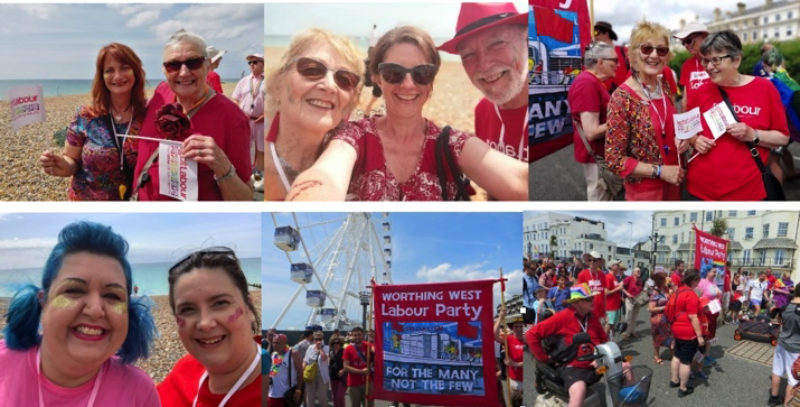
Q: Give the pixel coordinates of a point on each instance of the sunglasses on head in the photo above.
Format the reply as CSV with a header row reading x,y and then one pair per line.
x,y
192,64
202,253
314,70
648,49
394,73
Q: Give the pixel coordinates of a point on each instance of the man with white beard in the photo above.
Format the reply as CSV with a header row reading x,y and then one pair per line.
x,y
491,40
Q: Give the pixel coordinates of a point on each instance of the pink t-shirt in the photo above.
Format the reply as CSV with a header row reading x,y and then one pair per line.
x,y
709,289
121,386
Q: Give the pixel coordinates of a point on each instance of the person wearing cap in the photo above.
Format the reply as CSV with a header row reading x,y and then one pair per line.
x,y
604,33
725,169
394,157
491,40
218,130
579,317
249,95
514,353
693,74
613,295
594,277
640,142
588,103
215,57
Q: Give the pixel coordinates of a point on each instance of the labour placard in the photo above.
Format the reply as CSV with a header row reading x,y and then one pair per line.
x,y
177,176
27,105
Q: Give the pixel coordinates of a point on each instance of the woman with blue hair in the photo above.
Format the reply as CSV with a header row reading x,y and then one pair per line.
x,y
87,316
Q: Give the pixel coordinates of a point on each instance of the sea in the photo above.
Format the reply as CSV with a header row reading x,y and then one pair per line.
x,y
58,87
150,277
359,41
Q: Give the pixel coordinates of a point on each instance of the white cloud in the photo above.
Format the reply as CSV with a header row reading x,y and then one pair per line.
x,y
447,272
27,244
215,22
144,18
42,11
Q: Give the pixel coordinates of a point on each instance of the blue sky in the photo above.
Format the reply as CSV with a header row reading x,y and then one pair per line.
x,y
622,14
27,238
60,41
356,19
426,247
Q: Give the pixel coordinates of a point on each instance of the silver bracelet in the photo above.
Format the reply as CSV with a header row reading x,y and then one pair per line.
x,y
230,173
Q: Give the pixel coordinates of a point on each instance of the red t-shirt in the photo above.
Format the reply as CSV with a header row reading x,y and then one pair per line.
x,y
693,76
179,388
676,279
220,119
515,353
670,79
566,324
357,362
632,285
213,80
613,301
727,172
771,278
587,94
685,303
597,283
514,128
726,281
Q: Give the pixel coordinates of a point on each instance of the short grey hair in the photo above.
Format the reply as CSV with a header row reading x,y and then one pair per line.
x,y
595,52
725,42
187,36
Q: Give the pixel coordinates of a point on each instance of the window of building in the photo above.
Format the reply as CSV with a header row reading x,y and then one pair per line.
x,y
662,239
762,259
674,239
777,34
748,233
746,257
783,229
751,213
731,214
693,217
766,19
778,257
663,221
765,231
765,35
777,17
709,216
731,232
755,35
682,235
591,246
676,221
789,33
744,36
789,15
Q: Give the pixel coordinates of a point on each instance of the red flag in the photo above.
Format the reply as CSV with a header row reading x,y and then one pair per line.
x,y
712,251
550,24
430,344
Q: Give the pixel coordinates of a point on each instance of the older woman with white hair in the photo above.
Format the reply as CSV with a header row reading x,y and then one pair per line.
x,y
219,134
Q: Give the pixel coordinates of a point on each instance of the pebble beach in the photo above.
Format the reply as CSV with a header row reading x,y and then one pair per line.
x,y
22,179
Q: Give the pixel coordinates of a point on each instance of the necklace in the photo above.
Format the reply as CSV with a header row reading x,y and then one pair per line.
x,y
285,170
659,92
117,114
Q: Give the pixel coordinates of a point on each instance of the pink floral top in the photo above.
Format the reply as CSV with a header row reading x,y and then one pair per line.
x,y
99,175
372,180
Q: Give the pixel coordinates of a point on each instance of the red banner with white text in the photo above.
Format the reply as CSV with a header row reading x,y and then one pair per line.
x,y
711,252
435,344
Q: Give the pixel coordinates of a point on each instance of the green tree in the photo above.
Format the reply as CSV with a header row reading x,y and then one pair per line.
x,y
719,227
553,245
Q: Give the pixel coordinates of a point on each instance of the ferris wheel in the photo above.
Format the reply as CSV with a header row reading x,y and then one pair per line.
x,y
333,262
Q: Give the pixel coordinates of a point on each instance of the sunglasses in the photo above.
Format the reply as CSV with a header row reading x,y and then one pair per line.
x,y
252,62
688,41
648,49
394,73
194,256
191,64
314,70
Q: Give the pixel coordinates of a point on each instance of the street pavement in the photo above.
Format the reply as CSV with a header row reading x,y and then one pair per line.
x,y
732,381
558,177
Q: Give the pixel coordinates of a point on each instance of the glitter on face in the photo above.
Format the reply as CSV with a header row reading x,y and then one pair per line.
x,y
61,301
236,314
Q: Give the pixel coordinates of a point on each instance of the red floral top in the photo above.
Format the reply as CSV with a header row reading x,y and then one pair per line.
x,y
372,180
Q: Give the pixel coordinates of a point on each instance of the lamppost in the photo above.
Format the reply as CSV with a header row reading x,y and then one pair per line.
x,y
363,298
655,253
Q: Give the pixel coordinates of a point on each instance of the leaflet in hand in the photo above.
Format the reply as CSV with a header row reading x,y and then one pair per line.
x,y
718,119
177,175
688,124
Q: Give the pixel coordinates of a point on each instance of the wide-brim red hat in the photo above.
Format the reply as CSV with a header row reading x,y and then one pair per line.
x,y
476,17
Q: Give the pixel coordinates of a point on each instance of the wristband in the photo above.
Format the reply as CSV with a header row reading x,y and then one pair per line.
x,y
231,171
658,174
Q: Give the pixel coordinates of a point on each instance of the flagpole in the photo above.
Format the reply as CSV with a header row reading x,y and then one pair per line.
x,y
369,371
505,339
591,14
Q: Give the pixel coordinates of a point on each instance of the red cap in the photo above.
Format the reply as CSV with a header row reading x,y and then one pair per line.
x,y
476,17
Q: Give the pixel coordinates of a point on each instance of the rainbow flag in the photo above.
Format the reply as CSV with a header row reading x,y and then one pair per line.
x,y
779,283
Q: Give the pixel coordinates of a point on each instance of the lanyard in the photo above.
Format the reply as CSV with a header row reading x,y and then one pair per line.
x,y
276,161
236,385
501,144
253,92
661,121
117,137
583,324
95,388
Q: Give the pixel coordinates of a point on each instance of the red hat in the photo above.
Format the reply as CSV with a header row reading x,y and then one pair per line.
x,y
476,17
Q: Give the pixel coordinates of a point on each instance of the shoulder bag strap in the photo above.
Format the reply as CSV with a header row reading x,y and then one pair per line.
x,y
589,149
290,368
750,144
439,150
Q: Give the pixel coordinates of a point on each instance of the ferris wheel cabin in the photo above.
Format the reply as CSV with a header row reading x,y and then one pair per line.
x,y
287,238
315,298
301,273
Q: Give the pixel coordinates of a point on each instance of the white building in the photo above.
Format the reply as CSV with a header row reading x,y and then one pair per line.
x,y
773,21
574,236
758,239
